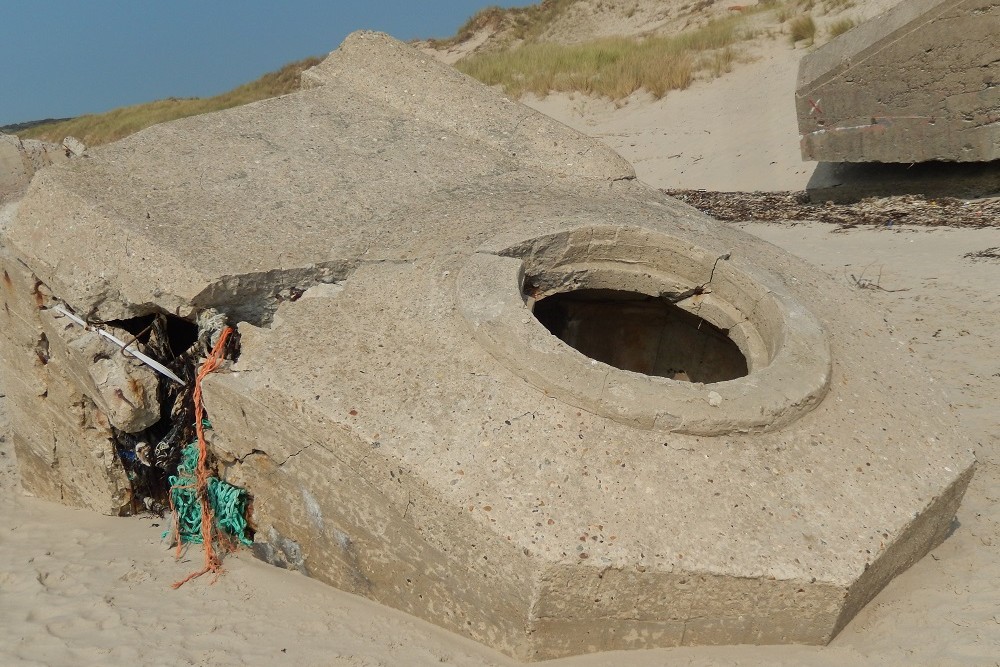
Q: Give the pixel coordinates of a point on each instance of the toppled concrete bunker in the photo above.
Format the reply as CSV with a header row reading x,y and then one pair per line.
x,y
918,83
486,376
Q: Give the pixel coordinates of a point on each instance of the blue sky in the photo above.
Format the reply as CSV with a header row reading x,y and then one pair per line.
x,y
69,57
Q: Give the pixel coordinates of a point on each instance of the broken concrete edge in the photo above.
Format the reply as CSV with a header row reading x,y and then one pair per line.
x,y
20,159
119,291
129,412
119,343
125,391
63,440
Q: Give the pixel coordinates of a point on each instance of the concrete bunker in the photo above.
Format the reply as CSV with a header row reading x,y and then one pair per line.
x,y
411,433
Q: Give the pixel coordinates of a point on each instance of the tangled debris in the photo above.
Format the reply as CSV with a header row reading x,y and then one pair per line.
x,y
874,211
151,454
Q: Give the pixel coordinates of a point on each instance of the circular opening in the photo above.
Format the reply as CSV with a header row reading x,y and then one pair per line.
x,y
643,334
633,311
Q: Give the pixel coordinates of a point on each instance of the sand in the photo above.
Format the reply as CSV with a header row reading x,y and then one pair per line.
x,y
77,588
726,132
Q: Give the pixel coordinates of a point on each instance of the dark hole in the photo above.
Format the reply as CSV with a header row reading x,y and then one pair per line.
x,y
174,335
643,334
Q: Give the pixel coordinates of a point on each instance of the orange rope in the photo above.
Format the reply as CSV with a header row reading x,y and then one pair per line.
x,y
212,561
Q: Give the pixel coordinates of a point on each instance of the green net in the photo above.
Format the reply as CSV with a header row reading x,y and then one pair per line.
x,y
228,502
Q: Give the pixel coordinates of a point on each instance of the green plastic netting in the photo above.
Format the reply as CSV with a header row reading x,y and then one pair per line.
x,y
228,503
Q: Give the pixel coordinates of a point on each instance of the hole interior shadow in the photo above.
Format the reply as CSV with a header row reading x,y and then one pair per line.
x,y
643,334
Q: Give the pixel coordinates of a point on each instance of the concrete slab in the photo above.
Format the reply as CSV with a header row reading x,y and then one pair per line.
x,y
920,82
411,432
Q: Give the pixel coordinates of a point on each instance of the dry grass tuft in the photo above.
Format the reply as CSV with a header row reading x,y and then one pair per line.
x,y
95,129
519,23
802,27
840,27
784,13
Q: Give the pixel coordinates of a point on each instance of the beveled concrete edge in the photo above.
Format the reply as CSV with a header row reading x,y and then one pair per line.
x,y
489,297
864,41
927,531
416,81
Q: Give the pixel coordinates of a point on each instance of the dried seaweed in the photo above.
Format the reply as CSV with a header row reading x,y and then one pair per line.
x,y
873,211
985,255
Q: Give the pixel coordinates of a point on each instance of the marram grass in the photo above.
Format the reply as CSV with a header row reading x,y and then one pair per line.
x,y
613,67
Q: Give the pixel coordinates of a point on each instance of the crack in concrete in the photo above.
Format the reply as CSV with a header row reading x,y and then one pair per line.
x,y
260,452
510,421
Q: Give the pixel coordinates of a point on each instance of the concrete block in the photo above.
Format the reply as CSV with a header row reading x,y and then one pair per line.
x,y
74,146
920,82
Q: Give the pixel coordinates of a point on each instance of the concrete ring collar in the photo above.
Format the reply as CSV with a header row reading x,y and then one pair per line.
x,y
787,352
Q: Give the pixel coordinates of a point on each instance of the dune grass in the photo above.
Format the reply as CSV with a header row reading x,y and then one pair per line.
x,y
802,27
518,23
94,129
613,67
784,12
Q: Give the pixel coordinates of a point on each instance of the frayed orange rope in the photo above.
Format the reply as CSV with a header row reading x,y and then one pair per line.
x,y
212,561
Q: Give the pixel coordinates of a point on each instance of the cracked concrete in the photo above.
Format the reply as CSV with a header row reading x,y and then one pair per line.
x,y
918,83
254,297
381,423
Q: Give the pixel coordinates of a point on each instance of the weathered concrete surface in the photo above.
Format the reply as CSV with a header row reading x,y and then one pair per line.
x,y
62,439
20,159
412,434
920,82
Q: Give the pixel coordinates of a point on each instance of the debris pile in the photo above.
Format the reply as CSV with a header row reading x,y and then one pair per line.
x,y
206,510
154,408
